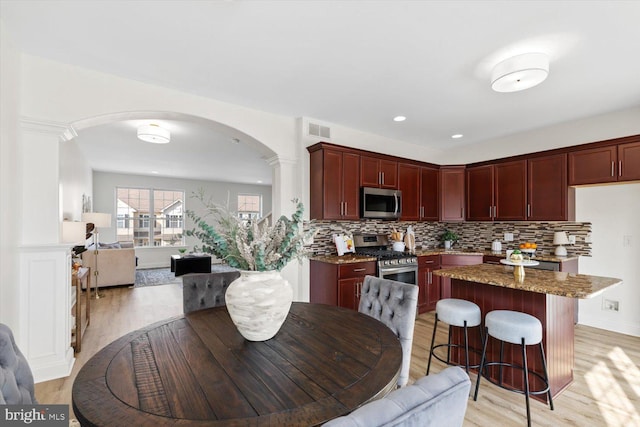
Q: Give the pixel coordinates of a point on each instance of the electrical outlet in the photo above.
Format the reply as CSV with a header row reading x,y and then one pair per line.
x,y
508,237
610,305
572,240
626,240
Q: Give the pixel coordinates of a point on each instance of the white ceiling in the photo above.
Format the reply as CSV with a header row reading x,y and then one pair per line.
x,y
354,63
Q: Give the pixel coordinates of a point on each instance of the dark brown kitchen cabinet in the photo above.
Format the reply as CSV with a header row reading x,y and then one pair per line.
x,y
497,192
629,161
547,198
593,166
378,173
452,193
409,184
338,284
608,163
428,284
450,261
334,185
429,188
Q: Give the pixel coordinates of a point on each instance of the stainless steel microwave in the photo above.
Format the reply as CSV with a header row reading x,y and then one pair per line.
x,y
380,203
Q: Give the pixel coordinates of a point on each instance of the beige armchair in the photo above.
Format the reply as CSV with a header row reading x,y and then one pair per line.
x,y
115,266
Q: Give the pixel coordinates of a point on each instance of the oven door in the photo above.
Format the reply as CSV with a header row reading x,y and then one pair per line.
x,y
405,274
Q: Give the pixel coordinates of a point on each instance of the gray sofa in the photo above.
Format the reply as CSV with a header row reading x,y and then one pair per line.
x,y
438,400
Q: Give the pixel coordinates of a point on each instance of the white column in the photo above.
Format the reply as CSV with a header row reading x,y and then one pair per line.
x,y
44,331
286,187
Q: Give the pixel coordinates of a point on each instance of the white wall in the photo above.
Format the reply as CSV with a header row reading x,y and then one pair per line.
x,y
104,200
76,179
9,183
613,211
583,131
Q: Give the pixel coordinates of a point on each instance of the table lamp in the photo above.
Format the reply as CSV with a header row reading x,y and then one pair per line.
x,y
559,239
73,232
99,220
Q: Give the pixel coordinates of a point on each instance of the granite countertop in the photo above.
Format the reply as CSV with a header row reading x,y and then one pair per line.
x,y
545,282
344,259
351,258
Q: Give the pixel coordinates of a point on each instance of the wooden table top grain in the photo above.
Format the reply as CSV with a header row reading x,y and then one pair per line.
x,y
196,369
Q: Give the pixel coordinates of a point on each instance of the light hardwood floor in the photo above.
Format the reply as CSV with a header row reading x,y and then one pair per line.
x,y
605,391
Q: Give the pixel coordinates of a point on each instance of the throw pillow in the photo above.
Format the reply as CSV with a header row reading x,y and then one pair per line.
x,y
115,245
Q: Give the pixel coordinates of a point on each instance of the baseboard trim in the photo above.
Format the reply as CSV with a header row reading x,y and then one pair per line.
x,y
44,370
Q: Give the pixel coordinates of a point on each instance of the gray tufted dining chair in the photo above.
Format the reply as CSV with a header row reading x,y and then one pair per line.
x,y
394,304
16,380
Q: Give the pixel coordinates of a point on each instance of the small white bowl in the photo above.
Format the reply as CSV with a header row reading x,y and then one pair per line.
x,y
398,246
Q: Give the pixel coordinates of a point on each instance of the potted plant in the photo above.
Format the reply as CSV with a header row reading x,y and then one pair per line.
x,y
259,300
449,238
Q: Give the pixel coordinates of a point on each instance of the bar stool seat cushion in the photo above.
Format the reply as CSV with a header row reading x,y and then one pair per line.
x,y
455,311
513,326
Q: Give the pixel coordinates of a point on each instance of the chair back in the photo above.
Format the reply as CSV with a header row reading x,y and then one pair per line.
x,y
205,290
394,304
435,400
16,379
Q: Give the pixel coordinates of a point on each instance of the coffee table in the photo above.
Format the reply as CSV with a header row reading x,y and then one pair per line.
x,y
184,264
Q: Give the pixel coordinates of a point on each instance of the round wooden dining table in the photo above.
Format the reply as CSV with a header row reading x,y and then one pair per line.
x,y
196,369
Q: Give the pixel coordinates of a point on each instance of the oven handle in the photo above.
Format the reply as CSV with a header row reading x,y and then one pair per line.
x,y
397,270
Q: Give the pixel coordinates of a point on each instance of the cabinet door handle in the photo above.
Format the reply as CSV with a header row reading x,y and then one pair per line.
x,y
379,178
346,208
612,167
619,167
490,211
528,209
421,211
355,270
429,278
382,178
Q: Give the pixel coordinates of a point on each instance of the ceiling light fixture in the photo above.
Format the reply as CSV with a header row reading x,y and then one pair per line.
x,y
520,72
399,118
154,133
457,136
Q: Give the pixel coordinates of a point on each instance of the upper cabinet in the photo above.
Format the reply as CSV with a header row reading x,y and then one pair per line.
x,y
452,193
334,182
497,192
429,191
547,198
610,163
419,186
409,184
378,173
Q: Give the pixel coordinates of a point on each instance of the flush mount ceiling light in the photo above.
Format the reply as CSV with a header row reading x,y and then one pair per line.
x,y
520,72
154,133
457,136
399,118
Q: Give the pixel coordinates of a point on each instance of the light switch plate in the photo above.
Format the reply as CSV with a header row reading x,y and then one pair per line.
x,y
508,237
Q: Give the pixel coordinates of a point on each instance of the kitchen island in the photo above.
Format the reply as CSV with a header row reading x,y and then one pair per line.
x,y
547,295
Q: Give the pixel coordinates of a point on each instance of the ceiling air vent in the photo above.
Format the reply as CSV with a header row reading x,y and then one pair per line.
x,y
319,130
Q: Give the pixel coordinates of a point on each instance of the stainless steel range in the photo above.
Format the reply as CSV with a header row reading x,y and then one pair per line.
x,y
398,266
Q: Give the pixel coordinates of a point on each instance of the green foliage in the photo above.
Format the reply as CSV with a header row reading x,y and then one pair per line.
x,y
449,235
249,245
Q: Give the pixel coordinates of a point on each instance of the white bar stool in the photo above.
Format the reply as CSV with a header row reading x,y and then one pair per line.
x,y
460,313
516,328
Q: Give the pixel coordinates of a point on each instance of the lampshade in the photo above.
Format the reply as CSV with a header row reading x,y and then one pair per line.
x,y
154,133
560,238
73,232
520,72
98,219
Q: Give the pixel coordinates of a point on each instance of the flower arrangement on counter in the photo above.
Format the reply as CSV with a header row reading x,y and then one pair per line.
x,y
250,244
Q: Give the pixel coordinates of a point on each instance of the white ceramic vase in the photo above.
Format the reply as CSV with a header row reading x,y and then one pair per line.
x,y
258,303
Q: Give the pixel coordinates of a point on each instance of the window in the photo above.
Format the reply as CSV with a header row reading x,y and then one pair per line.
x,y
150,217
249,206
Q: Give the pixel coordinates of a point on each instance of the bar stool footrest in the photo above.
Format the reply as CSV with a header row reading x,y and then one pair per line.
x,y
516,390
471,350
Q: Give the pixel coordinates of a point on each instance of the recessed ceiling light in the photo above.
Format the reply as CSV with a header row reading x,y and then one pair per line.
x,y
259,181
154,171
399,118
457,136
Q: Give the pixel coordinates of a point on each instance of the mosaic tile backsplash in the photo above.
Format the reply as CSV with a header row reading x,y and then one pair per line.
x,y
473,235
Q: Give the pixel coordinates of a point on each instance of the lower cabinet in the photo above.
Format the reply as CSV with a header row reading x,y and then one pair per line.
x,y
449,261
428,283
339,284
